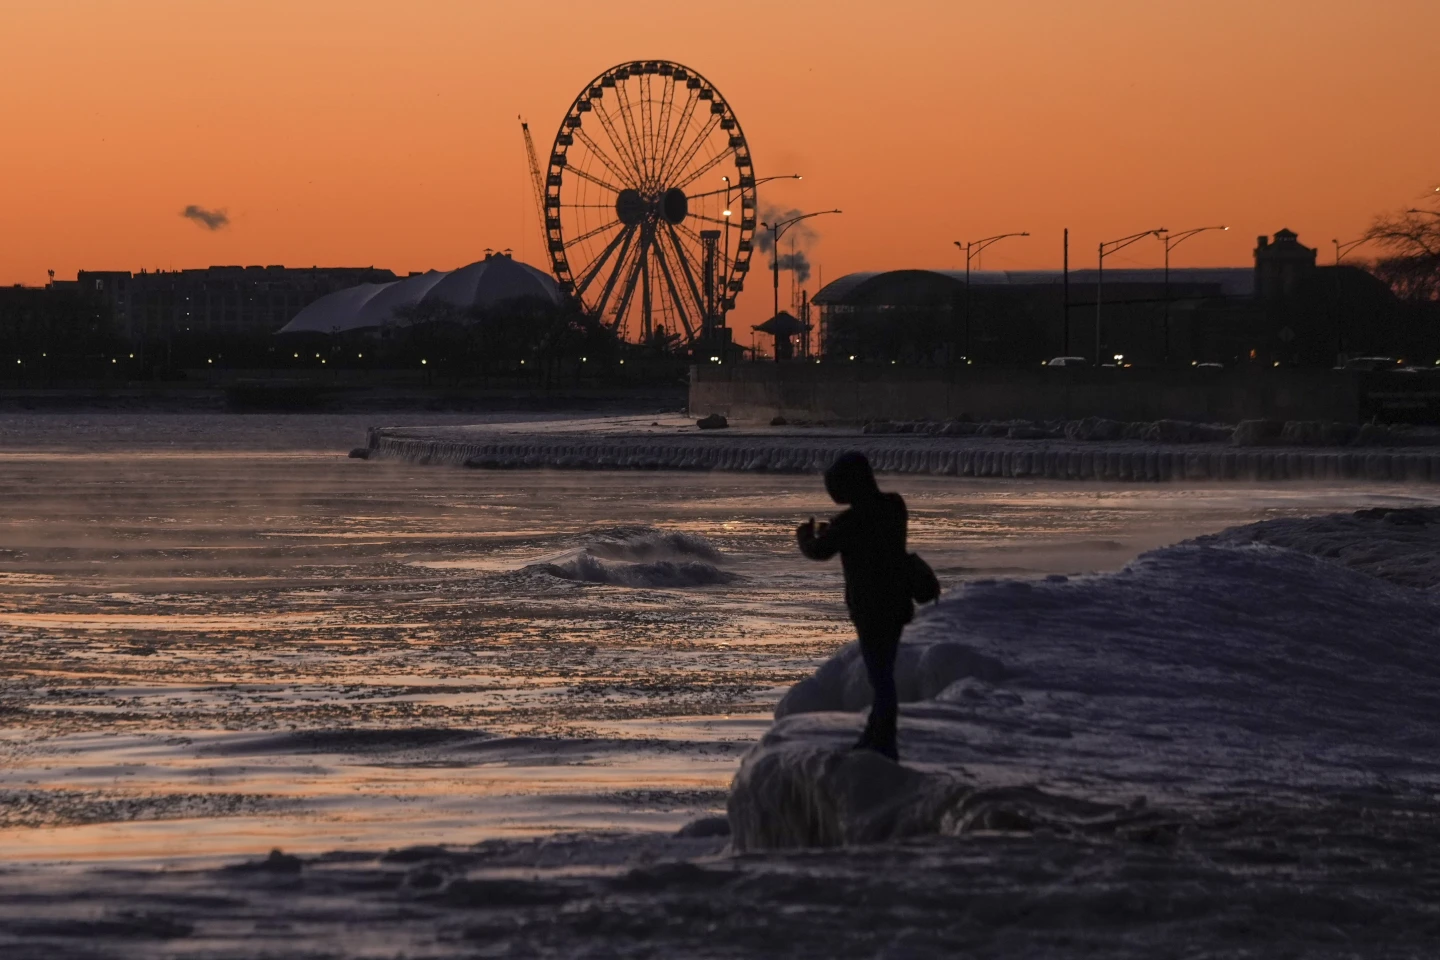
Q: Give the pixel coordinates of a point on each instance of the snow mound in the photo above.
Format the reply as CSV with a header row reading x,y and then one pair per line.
x,y
1201,674
586,568
1401,545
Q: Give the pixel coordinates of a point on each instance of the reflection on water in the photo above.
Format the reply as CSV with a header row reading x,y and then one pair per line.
x,y
178,626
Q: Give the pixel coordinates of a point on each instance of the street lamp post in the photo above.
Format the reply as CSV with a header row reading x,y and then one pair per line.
x,y
1343,248
729,190
777,230
1115,246
973,248
1173,240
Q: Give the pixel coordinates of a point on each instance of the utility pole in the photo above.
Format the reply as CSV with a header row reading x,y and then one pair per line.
x,y
1065,351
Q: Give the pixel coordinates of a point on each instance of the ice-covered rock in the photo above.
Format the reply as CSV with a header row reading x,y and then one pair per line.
x,y
1094,428
1201,674
1254,433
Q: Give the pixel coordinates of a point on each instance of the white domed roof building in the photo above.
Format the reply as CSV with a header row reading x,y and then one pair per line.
x,y
486,283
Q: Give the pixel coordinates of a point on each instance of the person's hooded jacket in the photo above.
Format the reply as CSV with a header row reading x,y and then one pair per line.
x,y
870,538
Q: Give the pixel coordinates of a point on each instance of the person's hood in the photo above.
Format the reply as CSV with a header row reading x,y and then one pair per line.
x,y
850,479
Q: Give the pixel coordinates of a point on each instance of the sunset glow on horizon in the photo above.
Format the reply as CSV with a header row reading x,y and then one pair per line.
x,y
358,133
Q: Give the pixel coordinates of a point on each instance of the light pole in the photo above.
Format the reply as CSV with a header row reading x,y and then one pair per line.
x,y
1343,248
729,191
1173,240
777,230
972,249
1115,246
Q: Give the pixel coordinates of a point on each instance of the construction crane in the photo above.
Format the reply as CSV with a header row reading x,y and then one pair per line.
x,y
537,179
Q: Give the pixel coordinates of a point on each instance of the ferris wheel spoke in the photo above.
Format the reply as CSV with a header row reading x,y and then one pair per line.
x,y
684,158
707,218
678,137
704,168
592,269
587,175
620,144
667,105
591,233
688,271
609,287
674,291
627,119
647,123
710,193
628,293
615,170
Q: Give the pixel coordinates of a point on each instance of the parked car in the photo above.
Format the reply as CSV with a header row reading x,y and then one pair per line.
x,y
1068,362
1370,364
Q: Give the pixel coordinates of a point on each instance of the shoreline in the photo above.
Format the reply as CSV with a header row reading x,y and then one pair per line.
x,y
674,443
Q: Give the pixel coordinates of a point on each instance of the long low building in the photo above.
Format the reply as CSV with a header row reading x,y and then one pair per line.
x,y
1284,309
1013,315
370,306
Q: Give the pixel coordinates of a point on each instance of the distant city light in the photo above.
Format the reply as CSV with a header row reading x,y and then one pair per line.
x,y
423,362
1119,356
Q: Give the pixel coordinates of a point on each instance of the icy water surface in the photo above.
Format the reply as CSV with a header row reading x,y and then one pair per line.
x,y
222,635
218,636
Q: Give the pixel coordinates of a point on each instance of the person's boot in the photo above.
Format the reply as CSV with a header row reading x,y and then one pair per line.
x,y
867,736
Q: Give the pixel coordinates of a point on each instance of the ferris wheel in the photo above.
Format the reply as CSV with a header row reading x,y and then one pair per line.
x,y
649,202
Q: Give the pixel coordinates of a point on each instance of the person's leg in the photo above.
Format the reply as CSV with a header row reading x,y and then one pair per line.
x,y
878,647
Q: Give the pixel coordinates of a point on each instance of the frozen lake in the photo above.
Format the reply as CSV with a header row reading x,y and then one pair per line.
x,y
218,635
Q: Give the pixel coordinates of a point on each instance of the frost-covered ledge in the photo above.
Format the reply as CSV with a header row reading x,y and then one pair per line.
x,y
563,446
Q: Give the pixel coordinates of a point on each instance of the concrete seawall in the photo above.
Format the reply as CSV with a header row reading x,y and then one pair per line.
x,y
937,456
857,392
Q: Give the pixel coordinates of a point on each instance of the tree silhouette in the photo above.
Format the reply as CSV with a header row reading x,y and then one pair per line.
x,y
1411,240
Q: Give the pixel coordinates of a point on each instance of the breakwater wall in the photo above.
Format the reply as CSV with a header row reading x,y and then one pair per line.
x,y
864,392
936,456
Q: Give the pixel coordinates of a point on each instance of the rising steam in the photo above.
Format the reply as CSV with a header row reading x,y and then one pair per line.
x,y
801,233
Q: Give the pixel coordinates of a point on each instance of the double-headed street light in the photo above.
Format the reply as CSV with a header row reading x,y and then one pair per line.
x,y
1173,240
777,230
1115,246
729,190
972,249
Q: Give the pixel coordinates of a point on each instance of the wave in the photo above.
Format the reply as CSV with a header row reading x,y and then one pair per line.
x,y
585,568
642,542
1201,673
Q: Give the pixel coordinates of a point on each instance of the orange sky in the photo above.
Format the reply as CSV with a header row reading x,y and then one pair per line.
x,y
360,132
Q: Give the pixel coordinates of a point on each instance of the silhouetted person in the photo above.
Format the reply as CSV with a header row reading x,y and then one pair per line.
x,y
870,538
